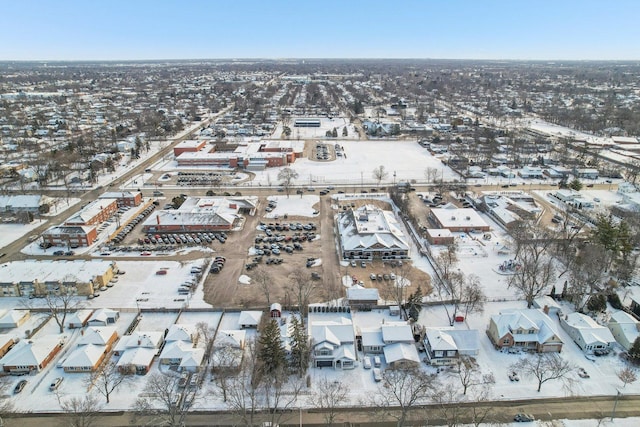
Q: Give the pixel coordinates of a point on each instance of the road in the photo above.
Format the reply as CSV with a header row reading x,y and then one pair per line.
x,y
13,249
599,407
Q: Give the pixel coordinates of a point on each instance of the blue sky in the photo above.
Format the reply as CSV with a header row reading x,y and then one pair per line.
x,y
193,29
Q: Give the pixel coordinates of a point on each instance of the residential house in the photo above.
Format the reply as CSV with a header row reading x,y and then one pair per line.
x,y
444,345
137,351
78,319
7,341
527,329
359,297
13,318
31,355
625,328
104,317
228,349
587,333
332,342
85,358
249,319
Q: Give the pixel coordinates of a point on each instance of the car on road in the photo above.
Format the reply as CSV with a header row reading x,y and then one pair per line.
x,y
523,418
20,386
58,253
55,384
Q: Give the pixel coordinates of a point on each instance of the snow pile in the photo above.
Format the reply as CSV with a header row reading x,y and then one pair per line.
x,y
244,279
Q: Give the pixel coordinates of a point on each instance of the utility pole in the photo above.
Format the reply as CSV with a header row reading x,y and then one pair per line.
x,y
615,404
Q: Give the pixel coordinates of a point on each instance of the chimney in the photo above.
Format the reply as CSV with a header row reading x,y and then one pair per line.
x,y
546,310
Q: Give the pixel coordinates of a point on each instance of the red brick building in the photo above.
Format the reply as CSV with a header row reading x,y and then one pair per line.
x,y
94,213
188,146
123,198
70,236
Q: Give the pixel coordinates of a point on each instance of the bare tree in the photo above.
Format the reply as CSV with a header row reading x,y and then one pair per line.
x,y
431,174
627,375
244,393
587,276
303,288
6,406
535,268
403,388
226,362
469,374
379,174
62,302
81,411
107,378
447,260
545,367
163,402
328,396
264,279
286,177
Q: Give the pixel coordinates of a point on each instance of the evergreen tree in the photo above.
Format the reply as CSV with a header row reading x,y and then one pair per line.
x,y
299,347
271,352
634,351
414,304
597,303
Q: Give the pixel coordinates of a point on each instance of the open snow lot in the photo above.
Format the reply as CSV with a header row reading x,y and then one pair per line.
x,y
294,205
406,158
142,287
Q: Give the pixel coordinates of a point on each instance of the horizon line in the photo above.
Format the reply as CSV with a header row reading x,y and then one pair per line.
x,y
323,58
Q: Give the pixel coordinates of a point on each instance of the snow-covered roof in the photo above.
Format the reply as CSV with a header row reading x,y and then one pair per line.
x,y
337,331
139,356
401,352
440,340
396,332
31,352
176,349
84,356
249,318
458,217
360,293
78,317
589,329
525,320
102,314
52,271
192,358
98,335
11,318
369,226
231,338
372,337
181,332
139,339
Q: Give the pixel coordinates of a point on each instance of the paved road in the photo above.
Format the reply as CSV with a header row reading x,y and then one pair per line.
x,y
600,407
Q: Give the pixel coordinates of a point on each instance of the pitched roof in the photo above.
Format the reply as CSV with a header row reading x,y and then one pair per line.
x,y
250,317
230,338
138,339
31,353
334,331
589,329
139,356
181,332
525,320
175,349
84,356
401,352
98,335
397,331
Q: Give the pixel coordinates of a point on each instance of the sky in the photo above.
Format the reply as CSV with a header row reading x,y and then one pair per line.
x,y
274,29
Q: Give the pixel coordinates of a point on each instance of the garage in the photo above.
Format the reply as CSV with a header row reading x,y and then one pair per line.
x,y
324,364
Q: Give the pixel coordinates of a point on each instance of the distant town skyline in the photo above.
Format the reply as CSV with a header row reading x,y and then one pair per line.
x,y
200,29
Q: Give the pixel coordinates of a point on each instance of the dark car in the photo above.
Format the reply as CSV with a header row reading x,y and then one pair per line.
x,y
18,388
523,418
58,253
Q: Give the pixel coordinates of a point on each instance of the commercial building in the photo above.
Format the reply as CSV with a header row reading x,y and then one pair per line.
x,y
208,214
370,233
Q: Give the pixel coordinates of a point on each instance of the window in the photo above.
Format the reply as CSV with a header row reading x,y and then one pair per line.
x,y
451,353
439,353
505,341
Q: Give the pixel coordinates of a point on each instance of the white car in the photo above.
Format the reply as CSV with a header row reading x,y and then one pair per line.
x,y
377,375
366,362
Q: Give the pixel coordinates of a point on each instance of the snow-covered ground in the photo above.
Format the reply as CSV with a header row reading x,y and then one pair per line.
x,y
12,232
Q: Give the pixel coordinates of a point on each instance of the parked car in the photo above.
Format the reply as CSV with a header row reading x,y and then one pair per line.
x,y
377,362
377,374
523,418
55,384
366,362
18,388
58,253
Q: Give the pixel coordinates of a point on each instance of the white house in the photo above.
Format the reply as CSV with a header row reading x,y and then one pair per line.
x,y
249,319
332,343
444,345
625,328
589,335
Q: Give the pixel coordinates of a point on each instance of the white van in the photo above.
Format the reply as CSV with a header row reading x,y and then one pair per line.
x,y
377,362
366,362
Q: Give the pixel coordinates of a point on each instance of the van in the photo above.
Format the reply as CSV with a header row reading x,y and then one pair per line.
x,y
366,362
377,362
